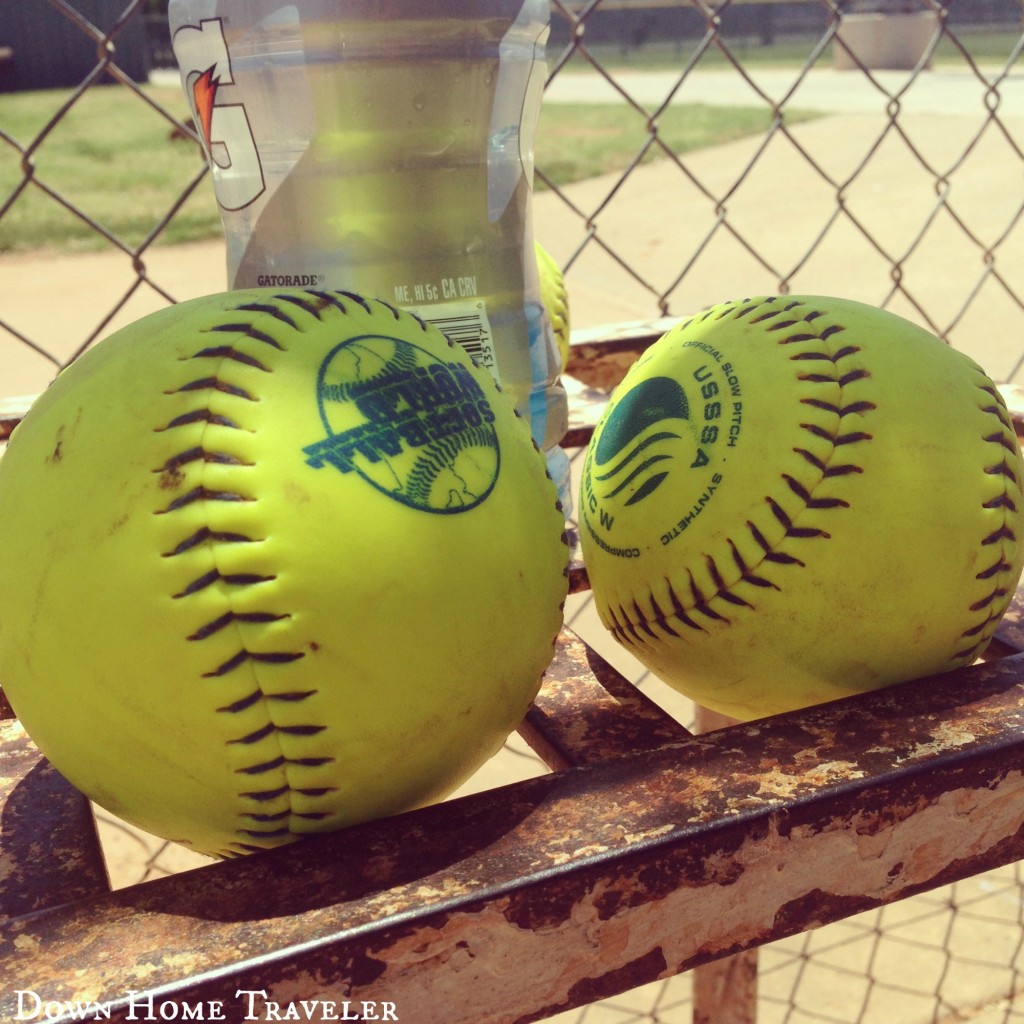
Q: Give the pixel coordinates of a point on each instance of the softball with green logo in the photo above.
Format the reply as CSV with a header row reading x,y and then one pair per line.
x,y
792,499
274,562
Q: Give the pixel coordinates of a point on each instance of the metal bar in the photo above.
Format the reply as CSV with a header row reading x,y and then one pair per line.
x,y
552,893
587,711
49,851
600,359
725,991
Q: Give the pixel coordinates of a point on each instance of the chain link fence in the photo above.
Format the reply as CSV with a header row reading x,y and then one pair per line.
x,y
891,171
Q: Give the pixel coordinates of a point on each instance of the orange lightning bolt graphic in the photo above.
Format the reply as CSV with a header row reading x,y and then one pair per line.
x,y
204,92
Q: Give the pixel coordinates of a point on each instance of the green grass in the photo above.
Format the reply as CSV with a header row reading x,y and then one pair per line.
x,y
110,155
113,157
982,47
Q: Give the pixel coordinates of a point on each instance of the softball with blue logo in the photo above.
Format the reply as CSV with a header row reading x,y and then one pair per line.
x,y
275,562
793,499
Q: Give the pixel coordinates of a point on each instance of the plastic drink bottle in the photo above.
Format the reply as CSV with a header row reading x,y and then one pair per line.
x,y
386,148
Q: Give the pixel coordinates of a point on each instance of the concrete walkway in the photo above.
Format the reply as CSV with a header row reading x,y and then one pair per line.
x,y
946,91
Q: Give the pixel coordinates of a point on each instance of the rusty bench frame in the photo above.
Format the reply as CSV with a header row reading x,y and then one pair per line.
x,y
647,851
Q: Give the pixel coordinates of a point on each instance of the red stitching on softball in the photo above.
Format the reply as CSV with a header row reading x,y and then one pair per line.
x,y
269,729
199,416
228,618
185,458
260,657
266,308
236,579
231,354
994,603
201,494
203,534
173,474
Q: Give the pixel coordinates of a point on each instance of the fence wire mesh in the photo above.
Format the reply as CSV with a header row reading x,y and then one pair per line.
x,y
897,185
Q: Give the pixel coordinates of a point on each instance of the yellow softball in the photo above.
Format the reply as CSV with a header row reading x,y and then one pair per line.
x,y
273,563
791,499
555,297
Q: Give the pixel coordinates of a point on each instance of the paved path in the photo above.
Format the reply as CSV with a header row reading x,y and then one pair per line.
x,y
943,92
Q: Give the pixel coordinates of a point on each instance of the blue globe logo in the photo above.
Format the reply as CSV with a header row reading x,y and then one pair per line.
x,y
418,428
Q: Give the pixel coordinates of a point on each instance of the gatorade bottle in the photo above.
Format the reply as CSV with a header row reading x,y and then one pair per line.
x,y
386,149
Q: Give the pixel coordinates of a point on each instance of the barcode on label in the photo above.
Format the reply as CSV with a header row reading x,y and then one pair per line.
x,y
465,324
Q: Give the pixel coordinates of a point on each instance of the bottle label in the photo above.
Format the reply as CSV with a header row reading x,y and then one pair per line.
x,y
466,324
224,127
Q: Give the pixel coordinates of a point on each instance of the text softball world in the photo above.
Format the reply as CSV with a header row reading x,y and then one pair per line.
x,y
254,1004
